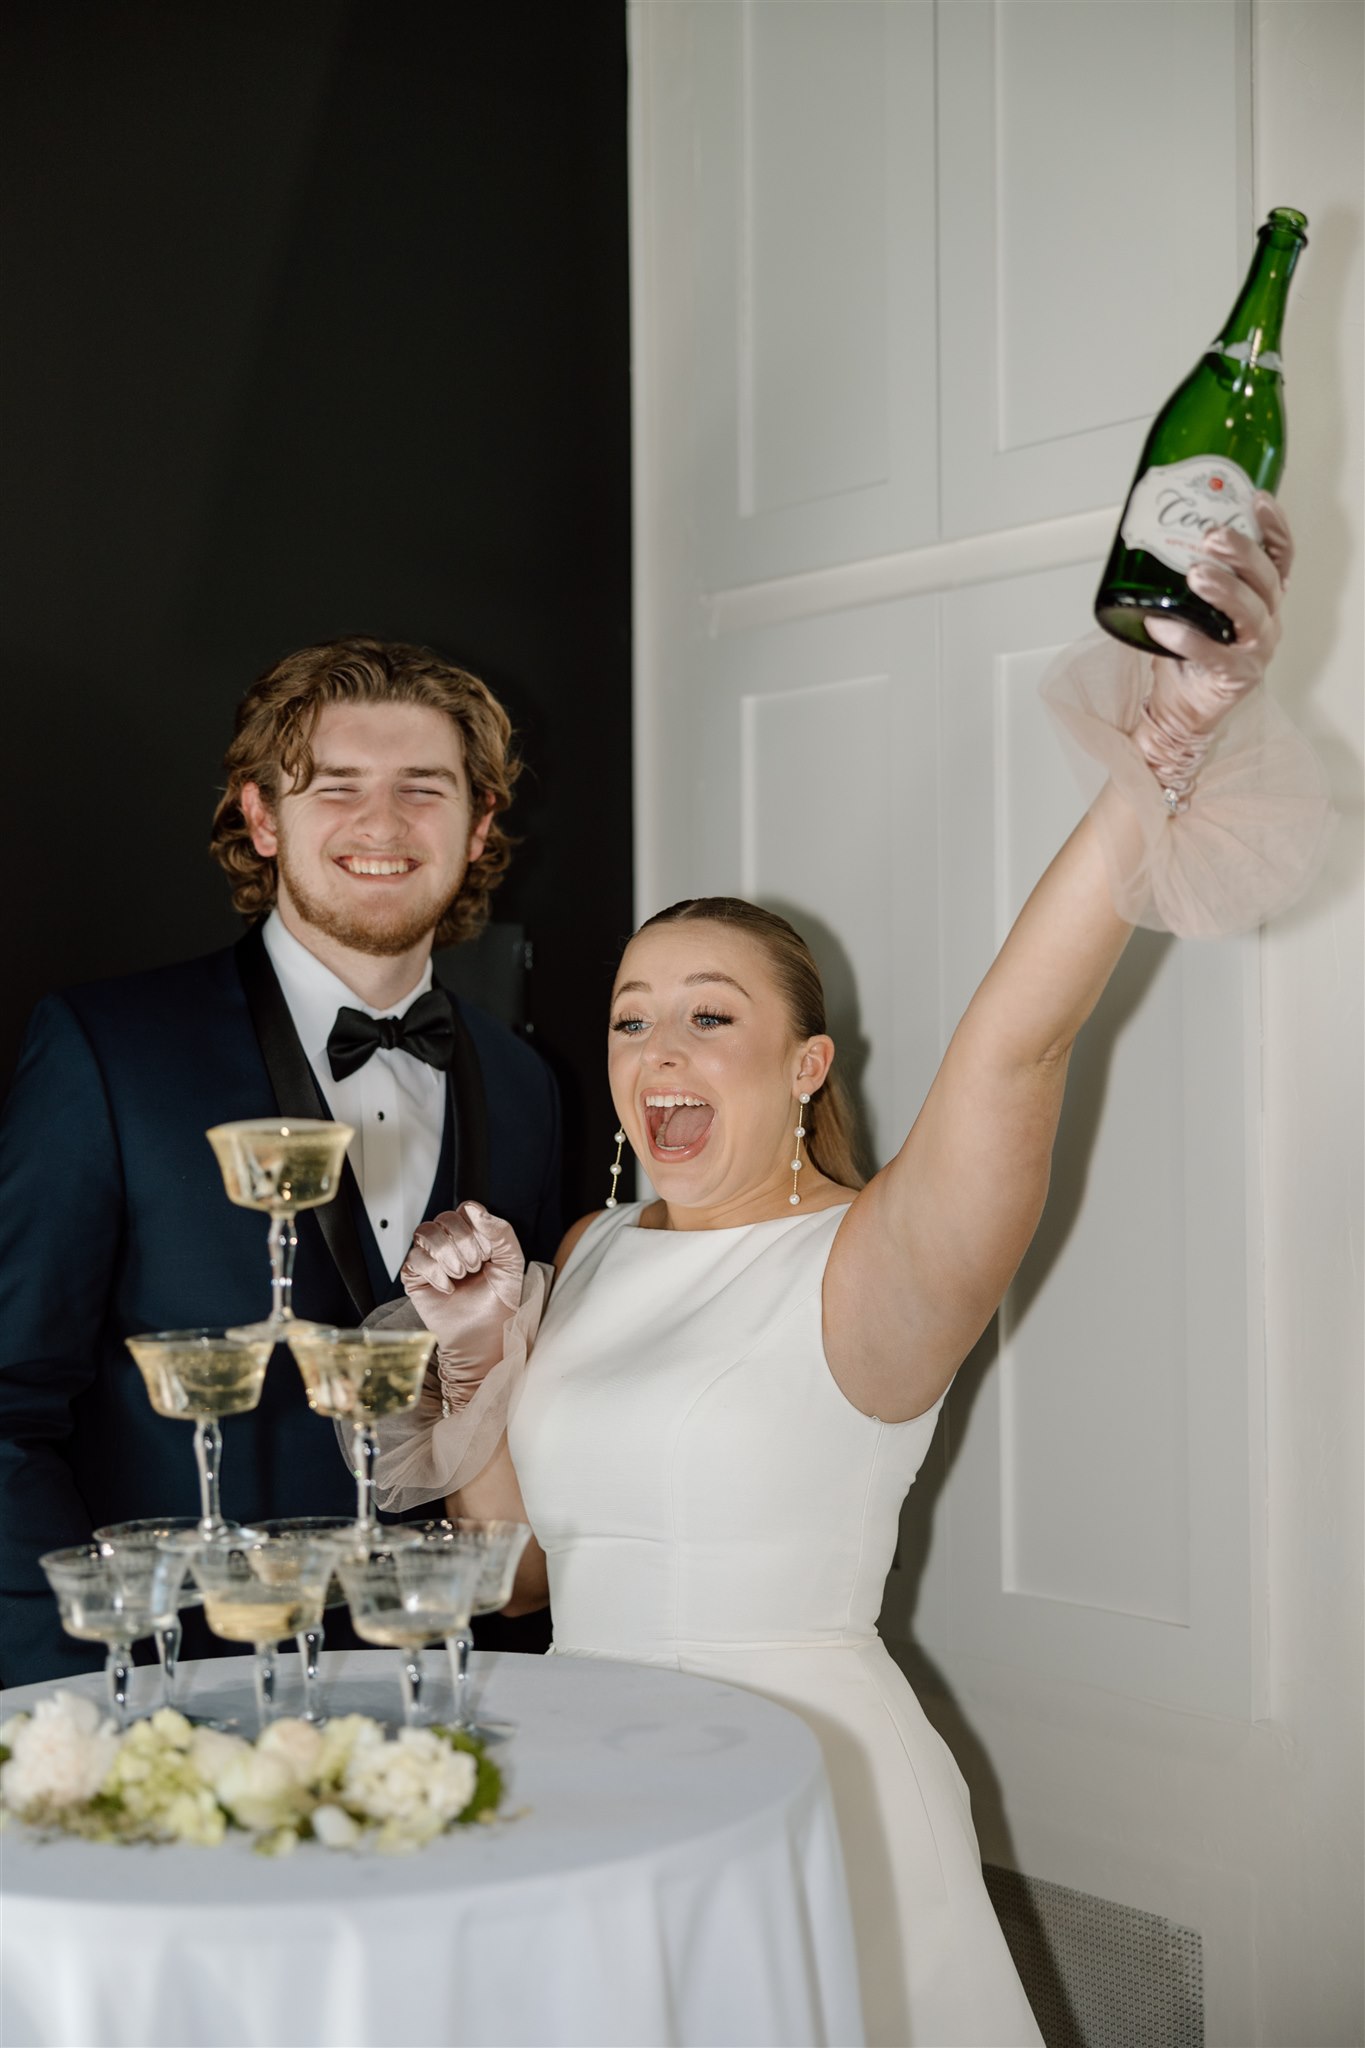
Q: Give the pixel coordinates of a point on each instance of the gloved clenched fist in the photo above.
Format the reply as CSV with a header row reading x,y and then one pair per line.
x,y
1177,722
463,1275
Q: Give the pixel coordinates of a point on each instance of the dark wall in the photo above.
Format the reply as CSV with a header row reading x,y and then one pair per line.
x,y
315,321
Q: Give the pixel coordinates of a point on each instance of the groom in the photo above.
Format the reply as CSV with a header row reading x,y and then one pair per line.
x,y
358,828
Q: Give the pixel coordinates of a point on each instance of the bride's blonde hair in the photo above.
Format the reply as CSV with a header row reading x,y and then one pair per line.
x,y
830,1141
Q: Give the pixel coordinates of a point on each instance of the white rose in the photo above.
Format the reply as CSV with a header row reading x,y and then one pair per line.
x,y
261,1792
213,1753
334,1827
294,1743
10,1728
61,1757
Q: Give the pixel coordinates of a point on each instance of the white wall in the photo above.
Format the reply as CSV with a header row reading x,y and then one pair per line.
x,y
891,370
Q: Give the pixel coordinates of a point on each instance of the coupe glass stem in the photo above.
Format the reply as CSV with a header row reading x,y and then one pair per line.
x,y
284,1238
364,1452
265,1684
208,1452
458,1648
168,1650
118,1671
309,1641
410,1673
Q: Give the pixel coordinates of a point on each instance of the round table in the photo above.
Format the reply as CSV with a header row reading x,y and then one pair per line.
x,y
675,1877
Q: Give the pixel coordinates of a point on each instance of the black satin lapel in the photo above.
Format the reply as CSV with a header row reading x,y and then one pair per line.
x,y
296,1094
471,1117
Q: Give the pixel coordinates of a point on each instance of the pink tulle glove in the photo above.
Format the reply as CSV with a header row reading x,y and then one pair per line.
x,y
464,1275
1188,699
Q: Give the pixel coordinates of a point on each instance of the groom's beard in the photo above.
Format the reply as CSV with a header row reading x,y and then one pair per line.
x,y
382,929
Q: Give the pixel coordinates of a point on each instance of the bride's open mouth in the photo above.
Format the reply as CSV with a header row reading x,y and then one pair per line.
x,y
677,1125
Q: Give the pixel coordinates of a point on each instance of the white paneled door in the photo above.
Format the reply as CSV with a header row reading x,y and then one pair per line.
x,y
813,182
1095,211
1097,1524
910,281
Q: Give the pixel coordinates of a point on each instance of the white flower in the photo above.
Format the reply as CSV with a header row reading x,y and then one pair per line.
x,y
212,1752
293,1743
164,1780
61,1756
334,1827
194,1817
418,1783
341,1738
172,1728
261,1792
160,1792
280,1842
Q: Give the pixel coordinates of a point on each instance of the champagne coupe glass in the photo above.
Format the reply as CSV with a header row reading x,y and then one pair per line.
x,y
498,1546
114,1599
356,1376
197,1376
408,1590
148,1536
258,1588
309,1640
281,1164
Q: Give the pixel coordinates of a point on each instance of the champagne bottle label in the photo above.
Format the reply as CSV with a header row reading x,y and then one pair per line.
x,y
1173,506
1240,352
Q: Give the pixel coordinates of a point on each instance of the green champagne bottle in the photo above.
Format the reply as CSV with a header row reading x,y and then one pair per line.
x,y
1218,439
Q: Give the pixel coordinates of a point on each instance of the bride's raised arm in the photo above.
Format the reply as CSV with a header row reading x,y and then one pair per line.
x,y
930,1245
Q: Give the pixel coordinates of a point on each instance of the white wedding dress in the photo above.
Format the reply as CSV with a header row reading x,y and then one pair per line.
x,y
708,1499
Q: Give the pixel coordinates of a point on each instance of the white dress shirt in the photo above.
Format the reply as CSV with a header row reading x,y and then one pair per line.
x,y
397,1103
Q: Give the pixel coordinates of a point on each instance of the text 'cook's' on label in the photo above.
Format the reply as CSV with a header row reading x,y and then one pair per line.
x,y
1172,507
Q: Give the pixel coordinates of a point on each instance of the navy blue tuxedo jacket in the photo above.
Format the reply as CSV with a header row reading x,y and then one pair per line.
x,y
113,1221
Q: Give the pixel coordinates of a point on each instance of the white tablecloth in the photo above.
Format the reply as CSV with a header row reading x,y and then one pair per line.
x,y
677,1879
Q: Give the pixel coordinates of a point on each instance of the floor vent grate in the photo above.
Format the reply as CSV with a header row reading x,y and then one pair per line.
x,y
1100,1975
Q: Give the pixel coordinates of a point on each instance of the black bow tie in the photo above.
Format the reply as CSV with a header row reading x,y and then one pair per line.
x,y
427,1031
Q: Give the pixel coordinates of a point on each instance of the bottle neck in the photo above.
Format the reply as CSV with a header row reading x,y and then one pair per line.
x,y
1251,333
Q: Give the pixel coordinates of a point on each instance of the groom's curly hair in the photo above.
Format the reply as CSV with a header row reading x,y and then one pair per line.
x,y
276,721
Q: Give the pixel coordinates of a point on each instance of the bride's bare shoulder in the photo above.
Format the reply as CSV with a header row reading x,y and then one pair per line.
x,y
571,1237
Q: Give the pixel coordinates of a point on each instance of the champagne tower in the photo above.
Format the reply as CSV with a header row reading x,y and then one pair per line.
x,y
1217,440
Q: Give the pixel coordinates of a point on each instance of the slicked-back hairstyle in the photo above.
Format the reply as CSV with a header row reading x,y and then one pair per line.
x,y
276,721
831,1143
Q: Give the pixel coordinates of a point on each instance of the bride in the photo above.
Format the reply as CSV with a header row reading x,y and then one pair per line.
x,y
734,1384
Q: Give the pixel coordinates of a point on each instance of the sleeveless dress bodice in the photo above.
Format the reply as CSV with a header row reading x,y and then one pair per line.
x,y
681,1386
708,1498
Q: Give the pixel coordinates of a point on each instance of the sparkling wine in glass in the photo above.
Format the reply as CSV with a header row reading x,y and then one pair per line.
x,y
258,1589
281,1165
199,1376
309,1640
114,1598
357,1376
405,1591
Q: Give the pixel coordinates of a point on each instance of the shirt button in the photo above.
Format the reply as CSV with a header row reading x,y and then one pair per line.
x,y
380,1114
383,1223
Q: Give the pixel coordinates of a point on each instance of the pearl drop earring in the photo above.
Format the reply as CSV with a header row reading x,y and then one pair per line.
x,y
798,1162
616,1168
